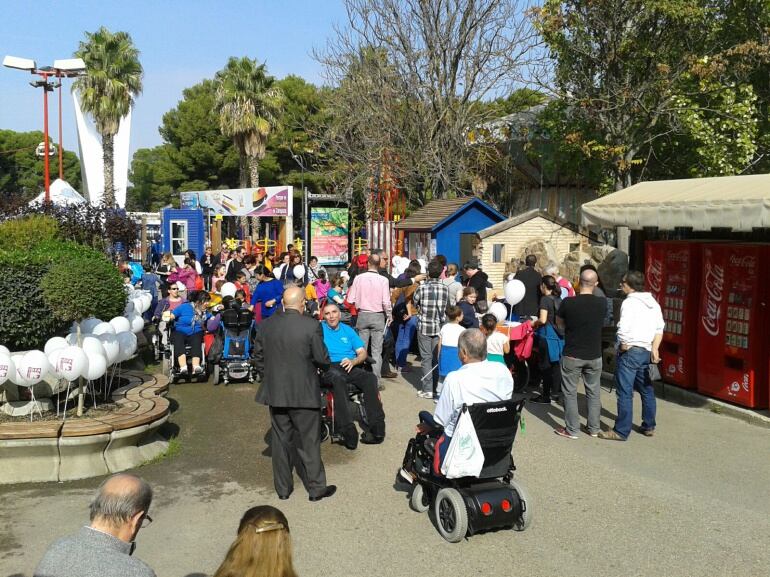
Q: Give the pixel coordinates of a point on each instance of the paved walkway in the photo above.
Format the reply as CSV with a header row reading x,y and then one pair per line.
x,y
692,501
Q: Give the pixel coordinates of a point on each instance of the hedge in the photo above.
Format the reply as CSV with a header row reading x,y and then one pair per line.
x,y
45,281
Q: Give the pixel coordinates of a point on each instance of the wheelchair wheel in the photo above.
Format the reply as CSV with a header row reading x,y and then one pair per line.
x,y
324,431
168,367
526,506
451,515
216,373
418,500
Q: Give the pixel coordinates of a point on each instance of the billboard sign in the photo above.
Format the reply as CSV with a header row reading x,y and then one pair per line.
x,y
329,235
263,201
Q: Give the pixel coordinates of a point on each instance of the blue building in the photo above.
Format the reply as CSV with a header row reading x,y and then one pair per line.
x,y
449,227
182,229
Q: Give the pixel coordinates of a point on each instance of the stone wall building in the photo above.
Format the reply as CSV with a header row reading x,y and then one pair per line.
x,y
505,245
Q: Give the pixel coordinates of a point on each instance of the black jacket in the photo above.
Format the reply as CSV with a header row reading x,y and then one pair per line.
x,y
394,282
530,304
288,351
479,282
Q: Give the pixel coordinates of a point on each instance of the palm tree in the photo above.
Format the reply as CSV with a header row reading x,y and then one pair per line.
x,y
113,80
249,106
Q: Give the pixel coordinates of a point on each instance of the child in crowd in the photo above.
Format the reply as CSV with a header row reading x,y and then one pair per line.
x,y
448,358
242,283
466,304
498,344
322,285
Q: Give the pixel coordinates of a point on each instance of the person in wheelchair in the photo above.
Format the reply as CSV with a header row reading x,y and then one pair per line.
x,y
347,353
189,321
477,381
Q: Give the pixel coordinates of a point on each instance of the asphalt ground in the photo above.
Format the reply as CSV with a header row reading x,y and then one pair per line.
x,y
692,500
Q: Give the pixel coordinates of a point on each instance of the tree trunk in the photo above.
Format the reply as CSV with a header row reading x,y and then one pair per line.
x,y
108,156
243,181
254,182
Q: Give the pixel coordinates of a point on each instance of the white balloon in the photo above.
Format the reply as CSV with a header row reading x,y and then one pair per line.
x,y
71,363
103,329
92,346
111,347
498,309
299,271
53,344
7,368
53,360
228,290
33,368
129,308
120,324
147,301
127,343
139,307
514,292
97,366
72,339
4,350
137,324
87,325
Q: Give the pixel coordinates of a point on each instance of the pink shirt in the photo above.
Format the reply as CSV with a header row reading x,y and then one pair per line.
x,y
370,292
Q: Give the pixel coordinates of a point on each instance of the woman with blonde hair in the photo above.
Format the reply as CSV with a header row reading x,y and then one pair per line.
x,y
262,547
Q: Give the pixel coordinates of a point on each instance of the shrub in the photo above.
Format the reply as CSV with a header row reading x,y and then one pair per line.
x,y
25,232
87,285
25,319
30,315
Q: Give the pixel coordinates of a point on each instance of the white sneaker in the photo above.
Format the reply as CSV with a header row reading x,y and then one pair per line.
x,y
198,370
425,395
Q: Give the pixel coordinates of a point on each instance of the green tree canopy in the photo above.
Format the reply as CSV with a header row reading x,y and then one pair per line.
x,y
21,172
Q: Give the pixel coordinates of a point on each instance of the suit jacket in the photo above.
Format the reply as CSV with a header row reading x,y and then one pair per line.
x,y
288,351
530,304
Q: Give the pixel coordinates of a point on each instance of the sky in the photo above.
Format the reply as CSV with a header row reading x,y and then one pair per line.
x,y
181,42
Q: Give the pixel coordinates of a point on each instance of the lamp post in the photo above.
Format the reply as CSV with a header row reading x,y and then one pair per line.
x,y
305,216
62,68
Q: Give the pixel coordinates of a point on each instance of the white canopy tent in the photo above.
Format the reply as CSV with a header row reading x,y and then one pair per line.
x,y
61,193
741,203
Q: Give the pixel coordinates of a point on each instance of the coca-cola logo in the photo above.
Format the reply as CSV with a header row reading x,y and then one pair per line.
x,y
745,261
714,285
655,274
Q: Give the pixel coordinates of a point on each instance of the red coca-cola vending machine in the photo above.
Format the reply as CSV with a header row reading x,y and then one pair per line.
x,y
673,273
733,324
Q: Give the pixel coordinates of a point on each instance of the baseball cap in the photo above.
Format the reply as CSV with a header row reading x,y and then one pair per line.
x,y
181,286
471,263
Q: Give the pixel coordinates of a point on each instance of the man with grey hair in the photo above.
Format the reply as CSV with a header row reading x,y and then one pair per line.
x,y
104,548
477,381
581,318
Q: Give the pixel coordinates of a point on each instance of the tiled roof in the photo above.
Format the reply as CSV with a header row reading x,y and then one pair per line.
x,y
433,213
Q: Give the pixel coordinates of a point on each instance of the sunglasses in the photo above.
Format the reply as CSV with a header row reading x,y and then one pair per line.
x,y
173,288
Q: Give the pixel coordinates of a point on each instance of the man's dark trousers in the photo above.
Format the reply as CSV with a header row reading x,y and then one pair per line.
x,y
296,442
364,381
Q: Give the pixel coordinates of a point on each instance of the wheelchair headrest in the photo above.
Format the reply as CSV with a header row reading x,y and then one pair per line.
x,y
237,319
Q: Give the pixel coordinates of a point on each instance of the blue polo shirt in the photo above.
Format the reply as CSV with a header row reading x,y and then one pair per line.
x,y
341,342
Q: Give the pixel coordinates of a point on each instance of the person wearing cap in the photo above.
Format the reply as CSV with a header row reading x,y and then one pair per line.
x,y
478,279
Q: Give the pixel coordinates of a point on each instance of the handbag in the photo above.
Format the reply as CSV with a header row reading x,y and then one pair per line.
x,y
464,457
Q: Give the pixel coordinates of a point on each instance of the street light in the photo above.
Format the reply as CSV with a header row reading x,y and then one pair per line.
x,y
305,220
67,68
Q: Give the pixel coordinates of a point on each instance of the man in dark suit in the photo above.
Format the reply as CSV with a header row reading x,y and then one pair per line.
x,y
530,305
288,351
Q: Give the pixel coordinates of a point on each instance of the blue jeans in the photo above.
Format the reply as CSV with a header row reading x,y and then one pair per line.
x,y
632,373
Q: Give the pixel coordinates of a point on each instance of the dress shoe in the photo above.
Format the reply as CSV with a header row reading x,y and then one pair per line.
x,y
368,438
286,496
389,375
330,490
350,437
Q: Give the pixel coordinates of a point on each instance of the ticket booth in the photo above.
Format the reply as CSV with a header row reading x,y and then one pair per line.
x,y
183,229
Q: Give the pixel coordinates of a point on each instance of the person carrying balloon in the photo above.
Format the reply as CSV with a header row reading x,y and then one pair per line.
x,y
189,323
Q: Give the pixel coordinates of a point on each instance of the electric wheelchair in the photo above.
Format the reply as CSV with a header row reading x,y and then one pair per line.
x,y
468,505
235,334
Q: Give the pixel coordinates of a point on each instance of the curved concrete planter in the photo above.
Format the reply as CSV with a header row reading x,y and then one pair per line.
x,y
55,451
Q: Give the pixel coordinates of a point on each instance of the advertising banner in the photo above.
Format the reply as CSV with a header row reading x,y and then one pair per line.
x,y
329,235
263,201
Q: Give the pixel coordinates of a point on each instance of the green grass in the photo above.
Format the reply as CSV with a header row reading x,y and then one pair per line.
x,y
174,448
715,409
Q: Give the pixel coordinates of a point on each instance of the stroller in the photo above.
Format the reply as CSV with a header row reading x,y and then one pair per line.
x,y
467,505
230,355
